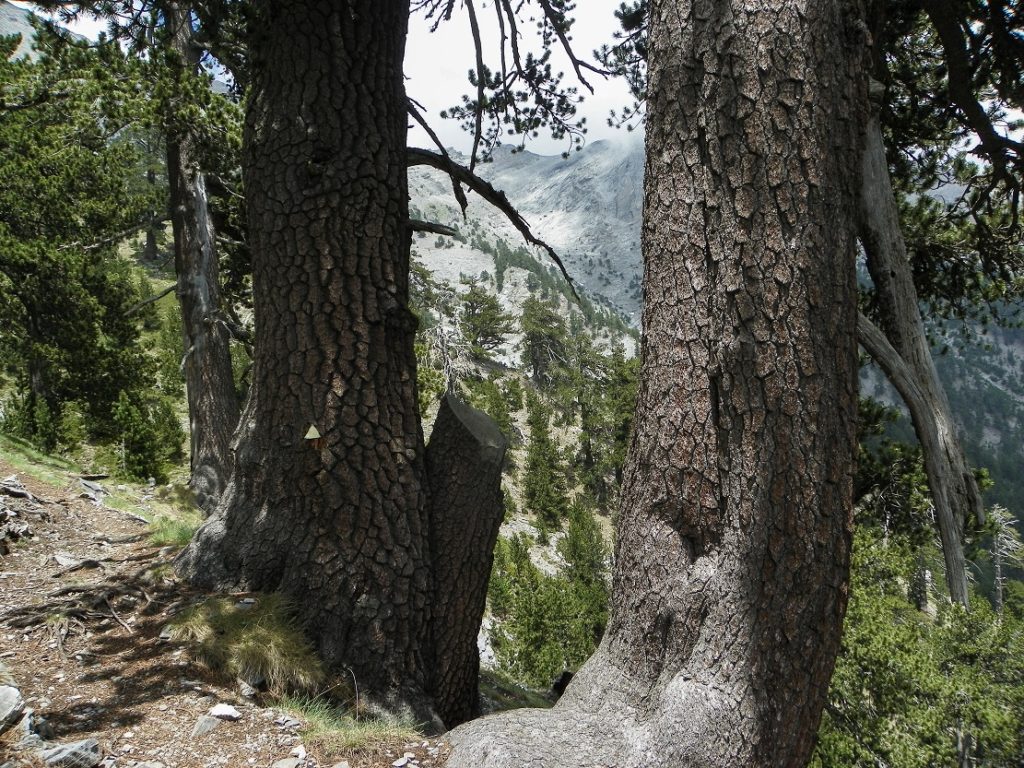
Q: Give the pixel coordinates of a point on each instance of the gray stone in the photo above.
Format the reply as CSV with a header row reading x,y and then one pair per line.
x,y
288,762
225,712
251,684
342,764
36,726
65,559
11,706
204,725
80,754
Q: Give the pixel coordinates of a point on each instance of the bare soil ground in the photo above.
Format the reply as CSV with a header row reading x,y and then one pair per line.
x,y
83,601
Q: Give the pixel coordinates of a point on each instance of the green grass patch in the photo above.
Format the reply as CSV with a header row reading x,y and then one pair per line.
x,y
332,727
174,505
174,531
27,459
179,518
251,641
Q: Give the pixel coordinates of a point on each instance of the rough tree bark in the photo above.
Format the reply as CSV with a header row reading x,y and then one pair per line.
x,y
342,521
732,555
954,490
338,522
464,461
212,401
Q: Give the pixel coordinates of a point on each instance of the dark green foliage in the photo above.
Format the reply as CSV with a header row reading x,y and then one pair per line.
x,y
601,389
543,481
170,349
915,670
545,341
546,624
548,281
514,393
586,564
959,216
484,324
60,428
906,680
891,488
149,436
70,190
241,368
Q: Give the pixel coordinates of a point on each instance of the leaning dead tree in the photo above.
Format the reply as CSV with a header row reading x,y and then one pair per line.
x,y
904,355
213,406
970,255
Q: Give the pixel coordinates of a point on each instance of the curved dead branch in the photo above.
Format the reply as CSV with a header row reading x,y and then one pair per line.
x,y
487,191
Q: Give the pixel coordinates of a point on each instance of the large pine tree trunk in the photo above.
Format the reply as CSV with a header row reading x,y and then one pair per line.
x,y
339,523
954,491
732,555
209,382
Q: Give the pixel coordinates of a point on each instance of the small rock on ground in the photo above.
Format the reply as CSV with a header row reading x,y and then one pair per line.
x,y
80,754
225,712
204,725
11,706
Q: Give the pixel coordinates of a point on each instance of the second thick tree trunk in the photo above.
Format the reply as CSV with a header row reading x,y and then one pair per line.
x,y
464,462
339,521
329,501
733,545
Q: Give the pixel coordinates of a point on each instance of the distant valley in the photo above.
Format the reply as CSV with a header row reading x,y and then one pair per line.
x,y
588,207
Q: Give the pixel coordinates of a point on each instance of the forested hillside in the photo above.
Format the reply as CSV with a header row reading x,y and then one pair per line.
x,y
323,446
587,206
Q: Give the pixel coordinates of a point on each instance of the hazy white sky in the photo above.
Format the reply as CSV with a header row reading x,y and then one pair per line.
x,y
437,64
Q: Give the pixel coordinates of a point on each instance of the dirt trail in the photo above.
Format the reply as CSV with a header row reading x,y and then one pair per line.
x,y
83,601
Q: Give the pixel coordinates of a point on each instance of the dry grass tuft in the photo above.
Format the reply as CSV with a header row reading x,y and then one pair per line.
x,y
251,641
333,728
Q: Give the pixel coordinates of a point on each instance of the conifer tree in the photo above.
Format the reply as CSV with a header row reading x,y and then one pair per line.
x,y
70,193
543,481
484,324
545,340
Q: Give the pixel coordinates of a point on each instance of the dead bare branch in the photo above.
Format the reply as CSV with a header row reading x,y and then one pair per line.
x,y
429,226
495,197
151,300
